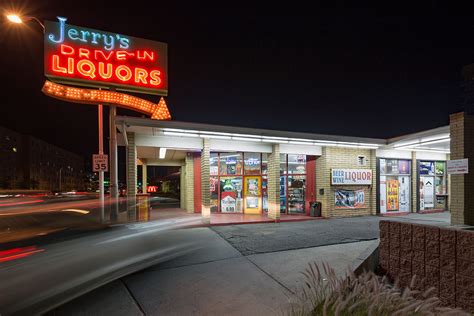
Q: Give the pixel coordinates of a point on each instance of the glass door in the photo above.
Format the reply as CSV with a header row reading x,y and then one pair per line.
x,y
252,195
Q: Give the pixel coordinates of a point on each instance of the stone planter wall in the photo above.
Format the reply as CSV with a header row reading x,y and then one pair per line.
x,y
442,258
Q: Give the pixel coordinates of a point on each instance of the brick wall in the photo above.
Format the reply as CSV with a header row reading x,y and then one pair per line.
x,y
273,188
131,159
462,185
189,182
414,179
345,158
441,258
456,125
205,181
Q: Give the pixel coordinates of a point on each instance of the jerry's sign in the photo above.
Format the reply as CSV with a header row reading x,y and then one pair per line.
x,y
93,58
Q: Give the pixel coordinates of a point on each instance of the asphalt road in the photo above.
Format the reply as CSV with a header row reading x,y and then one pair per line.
x,y
41,277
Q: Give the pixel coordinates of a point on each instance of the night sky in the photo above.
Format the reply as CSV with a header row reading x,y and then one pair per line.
x,y
375,71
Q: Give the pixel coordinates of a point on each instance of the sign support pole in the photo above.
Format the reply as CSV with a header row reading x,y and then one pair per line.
x,y
113,163
113,152
101,152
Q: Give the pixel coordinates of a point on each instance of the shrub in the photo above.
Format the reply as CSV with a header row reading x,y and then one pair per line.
x,y
366,294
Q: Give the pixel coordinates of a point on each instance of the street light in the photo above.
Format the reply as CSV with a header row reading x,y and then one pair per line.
x,y
15,18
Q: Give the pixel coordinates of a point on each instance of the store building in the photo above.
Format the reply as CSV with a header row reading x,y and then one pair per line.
x,y
256,171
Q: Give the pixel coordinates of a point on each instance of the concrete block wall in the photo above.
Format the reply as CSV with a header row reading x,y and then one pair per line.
x,y
189,182
440,258
344,158
131,169
414,191
456,126
205,181
273,188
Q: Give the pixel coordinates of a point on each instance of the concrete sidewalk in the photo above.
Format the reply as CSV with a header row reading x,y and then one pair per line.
x,y
240,270
214,280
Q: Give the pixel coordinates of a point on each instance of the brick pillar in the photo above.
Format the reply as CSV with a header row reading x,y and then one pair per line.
x,y
205,182
182,187
462,185
323,182
131,175
372,191
189,183
274,183
144,176
414,180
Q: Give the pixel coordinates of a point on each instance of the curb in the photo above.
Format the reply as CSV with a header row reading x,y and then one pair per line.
x,y
368,260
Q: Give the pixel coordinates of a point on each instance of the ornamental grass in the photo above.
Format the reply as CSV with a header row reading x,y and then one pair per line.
x,y
325,293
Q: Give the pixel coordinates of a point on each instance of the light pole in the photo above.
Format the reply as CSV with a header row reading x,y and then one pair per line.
x,y
18,19
15,18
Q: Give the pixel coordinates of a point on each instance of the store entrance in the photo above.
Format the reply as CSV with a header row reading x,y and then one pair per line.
x,y
252,194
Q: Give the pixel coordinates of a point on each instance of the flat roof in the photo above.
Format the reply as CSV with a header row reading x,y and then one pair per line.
x,y
437,139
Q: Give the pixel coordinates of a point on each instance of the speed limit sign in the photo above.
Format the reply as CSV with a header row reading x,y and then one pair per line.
x,y
100,163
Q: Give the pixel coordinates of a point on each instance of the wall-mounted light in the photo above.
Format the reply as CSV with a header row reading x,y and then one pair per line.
x,y
162,154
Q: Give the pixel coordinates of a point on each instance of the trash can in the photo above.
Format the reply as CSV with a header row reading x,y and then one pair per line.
x,y
315,209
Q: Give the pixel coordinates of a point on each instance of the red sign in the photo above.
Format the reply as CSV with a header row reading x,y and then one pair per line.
x,y
78,55
152,189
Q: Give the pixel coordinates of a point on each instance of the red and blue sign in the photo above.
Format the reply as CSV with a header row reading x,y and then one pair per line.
x,y
98,59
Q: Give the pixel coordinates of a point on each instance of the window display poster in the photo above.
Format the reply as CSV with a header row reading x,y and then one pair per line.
x,y
404,193
427,168
404,167
383,194
253,188
231,163
228,202
441,202
349,198
440,186
213,170
251,202
392,166
440,166
213,185
383,166
426,192
282,186
392,195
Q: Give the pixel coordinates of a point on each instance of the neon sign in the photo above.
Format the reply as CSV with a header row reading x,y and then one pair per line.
x,y
93,58
93,96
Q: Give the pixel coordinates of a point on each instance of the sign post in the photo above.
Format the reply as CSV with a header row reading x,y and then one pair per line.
x,y
114,62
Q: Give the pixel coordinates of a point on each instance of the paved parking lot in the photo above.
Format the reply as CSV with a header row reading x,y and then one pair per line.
x,y
240,270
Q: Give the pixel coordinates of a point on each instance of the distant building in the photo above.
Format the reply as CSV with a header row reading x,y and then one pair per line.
x,y
27,162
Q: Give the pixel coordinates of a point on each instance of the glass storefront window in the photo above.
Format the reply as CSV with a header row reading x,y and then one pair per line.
x,y
432,184
214,164
231,164
283,164
296,194
239,182
231,194
214,194
264,163
251,163
395,185
265,193
297,164
283,194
